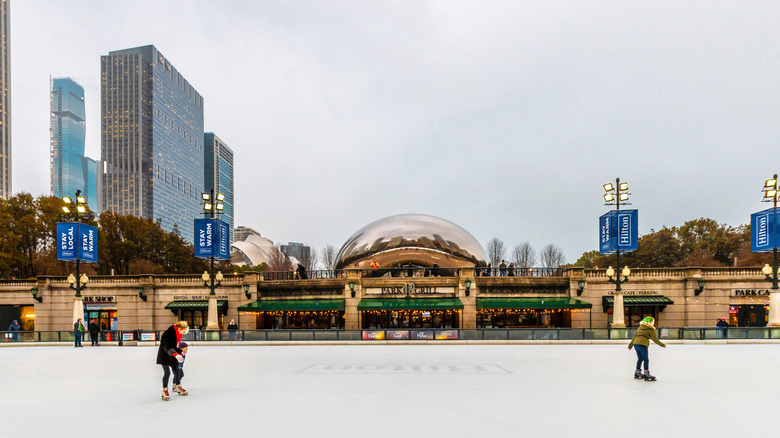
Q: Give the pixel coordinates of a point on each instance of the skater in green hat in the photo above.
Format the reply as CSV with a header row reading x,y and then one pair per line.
x,y
641,341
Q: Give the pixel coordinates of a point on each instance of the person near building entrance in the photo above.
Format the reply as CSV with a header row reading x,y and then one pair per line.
x,y
232,327
723,325
78,332
94,332
169,356
641,342
15,328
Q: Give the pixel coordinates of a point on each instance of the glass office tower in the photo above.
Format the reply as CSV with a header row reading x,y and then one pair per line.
x,y
68,136
218,174
152,139
5,100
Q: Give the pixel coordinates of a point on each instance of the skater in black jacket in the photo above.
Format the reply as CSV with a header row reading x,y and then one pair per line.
x,y
169,355
94,332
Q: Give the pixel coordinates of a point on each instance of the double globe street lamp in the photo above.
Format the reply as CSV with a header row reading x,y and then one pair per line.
x,y
616,195
770,195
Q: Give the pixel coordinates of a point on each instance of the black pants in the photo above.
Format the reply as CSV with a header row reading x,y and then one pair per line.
x,y
94,337
167,375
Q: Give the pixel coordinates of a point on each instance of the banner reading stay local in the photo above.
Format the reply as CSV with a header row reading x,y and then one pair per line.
x,y
76,241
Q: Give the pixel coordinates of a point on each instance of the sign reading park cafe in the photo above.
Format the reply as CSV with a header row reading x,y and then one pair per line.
x,y
750,292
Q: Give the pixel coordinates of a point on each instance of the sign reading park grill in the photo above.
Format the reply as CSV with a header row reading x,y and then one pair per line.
x,y
409,289
750,292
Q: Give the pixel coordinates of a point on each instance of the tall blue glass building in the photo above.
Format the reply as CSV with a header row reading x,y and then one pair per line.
x,y
218,174
71,170
152,139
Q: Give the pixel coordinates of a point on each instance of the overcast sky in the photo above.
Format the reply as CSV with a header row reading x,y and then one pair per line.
x,y
503,117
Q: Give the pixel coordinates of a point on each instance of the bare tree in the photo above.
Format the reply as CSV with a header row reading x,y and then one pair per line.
x,y
309,259
328,256
278,261
496,251
552,256
524,255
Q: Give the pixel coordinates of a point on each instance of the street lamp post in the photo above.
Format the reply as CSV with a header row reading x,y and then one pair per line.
x,y
212,206
770,195
614,196
78,282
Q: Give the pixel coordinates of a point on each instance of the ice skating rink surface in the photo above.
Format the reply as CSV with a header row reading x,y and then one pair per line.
x,y
392,391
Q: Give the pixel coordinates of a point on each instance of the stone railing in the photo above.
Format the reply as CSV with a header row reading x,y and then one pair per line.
x,y
17,284
746,273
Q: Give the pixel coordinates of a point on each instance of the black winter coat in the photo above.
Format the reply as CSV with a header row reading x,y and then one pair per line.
x,y
93,328
168,346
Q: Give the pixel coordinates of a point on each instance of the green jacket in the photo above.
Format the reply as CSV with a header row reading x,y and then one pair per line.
x,y
644,334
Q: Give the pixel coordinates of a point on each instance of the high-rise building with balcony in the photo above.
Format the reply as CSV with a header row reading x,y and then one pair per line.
x,y
71,170
218,174
5,99
152,139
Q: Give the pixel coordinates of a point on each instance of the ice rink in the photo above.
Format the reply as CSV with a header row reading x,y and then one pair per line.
x,y
392,391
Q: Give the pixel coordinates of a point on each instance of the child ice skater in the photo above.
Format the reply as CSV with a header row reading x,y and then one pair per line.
x,y
641,341
183,347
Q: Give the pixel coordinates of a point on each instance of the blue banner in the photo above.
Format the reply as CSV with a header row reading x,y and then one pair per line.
x,y
763,231
66,241
618,231
223,234
605,233
212,239
205,238
88,243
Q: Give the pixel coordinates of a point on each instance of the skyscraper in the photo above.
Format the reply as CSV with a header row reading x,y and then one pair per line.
x,y
5,100
71,170
152,139
218,174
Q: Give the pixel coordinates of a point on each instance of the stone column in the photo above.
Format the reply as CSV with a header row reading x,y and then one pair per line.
x,y
774,308
469,315
78,310
213,323
618,318
351,313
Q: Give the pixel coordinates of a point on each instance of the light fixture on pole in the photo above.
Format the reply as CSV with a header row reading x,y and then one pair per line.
x,y
617,195
467,283
770,195
77,207
212,207
581,284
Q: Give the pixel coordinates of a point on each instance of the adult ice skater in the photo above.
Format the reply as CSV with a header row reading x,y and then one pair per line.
x,y
169,355
641,341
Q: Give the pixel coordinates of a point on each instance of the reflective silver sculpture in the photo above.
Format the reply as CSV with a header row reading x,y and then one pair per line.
x,y
411,239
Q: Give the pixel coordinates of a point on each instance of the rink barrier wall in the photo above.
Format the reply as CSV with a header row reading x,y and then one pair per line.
x,y
535,335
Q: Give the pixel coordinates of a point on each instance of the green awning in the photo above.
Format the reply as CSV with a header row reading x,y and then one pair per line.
x,y
531,303
196,305
410,304
642,300
293,305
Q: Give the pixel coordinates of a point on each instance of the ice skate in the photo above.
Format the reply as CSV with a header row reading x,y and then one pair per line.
x,y
165,395
649,377
179,389
638,374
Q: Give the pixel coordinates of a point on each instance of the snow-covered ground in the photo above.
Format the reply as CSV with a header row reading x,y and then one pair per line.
x,y
392,391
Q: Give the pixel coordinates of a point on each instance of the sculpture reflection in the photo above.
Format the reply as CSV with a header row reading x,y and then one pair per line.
x,y
411,240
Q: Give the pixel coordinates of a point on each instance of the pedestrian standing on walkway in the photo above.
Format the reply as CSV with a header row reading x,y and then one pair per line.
x,y
169,355
502,269
232,328
78,332
15,328
94,332
641,343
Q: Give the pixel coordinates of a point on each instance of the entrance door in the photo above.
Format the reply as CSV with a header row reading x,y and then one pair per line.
x,y
752,316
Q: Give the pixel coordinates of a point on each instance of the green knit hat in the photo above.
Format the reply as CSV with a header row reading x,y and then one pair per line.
x,y
649,319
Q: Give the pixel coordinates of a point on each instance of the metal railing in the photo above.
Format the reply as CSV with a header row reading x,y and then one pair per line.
x,y
290,275
479,334
519,272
